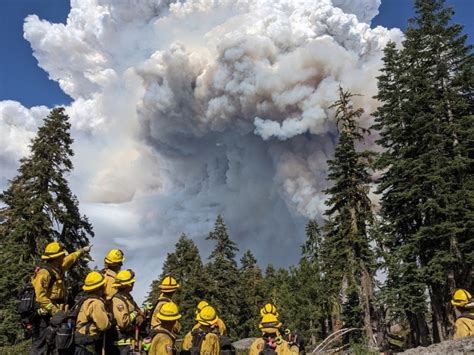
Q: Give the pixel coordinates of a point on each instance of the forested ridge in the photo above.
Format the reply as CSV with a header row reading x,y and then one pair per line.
x,y
385,267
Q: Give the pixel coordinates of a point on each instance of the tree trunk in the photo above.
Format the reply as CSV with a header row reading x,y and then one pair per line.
x,y
366,296
439,307
418,330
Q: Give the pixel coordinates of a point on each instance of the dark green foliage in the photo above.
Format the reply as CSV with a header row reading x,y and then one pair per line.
x,y
349,261
38,208
224,277
311,310
251,296
279,291
426,124
186,266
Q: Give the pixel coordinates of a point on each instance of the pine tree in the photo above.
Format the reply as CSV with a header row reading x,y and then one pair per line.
x,y
404,291
348,229
251,294
224,276
186,266
311,315
427,191
39,208
280,292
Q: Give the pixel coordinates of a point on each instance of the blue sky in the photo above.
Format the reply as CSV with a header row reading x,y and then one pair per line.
x,y
22,80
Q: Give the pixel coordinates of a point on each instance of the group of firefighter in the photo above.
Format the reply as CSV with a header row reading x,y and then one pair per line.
x,y
108,320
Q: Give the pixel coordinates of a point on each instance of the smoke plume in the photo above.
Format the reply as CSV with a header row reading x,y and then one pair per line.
x,y
183,110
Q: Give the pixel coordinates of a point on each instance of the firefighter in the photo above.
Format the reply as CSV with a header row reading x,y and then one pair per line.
x,y
220,325
168,287
92,320
464,306
127,314
163,335
50,290
203,340
271,339
112,264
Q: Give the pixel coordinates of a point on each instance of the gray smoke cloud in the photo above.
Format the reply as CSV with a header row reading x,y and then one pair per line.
x,y
183,110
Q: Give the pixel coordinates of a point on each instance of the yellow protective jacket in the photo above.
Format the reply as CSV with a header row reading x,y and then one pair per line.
x,y
210,344
162,343
52,298
464,326
109,290
220,324
93,319
155,322
282,348
126,313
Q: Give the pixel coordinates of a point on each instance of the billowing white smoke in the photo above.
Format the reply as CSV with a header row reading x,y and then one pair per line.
x,y
183,110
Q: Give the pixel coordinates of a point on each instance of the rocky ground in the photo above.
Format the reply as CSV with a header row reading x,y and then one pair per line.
x,y
457,347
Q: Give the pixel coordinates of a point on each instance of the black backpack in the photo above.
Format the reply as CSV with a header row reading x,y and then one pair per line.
x,y
26,300
198,339
268,349
63,325
226,346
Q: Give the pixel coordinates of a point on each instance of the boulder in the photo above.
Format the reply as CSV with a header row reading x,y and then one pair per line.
x,y
462,346
243,344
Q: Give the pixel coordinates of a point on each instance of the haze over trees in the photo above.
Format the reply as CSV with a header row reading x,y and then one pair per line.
x,y
362,268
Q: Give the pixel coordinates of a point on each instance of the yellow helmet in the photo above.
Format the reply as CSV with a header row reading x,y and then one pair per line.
x,y
269,309
94,280
124,278
201,305
169,311
269,323
114,256
53,250
207,316
461,298
169,284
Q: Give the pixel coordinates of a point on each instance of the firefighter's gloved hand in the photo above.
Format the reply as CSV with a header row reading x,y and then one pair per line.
x,y
146,344
86,249
139,320
42,311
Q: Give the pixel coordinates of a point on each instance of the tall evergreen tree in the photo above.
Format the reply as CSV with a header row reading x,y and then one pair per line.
x,y
311,315
280,292
404,291
38,208
427,191
186,266
224,276
251,296
350,216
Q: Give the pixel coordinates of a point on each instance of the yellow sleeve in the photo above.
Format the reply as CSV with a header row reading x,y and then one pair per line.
x,y
216,346
121,313
461,329
70,260
41,283
256,347
293,349
188,341
99,316
222,327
